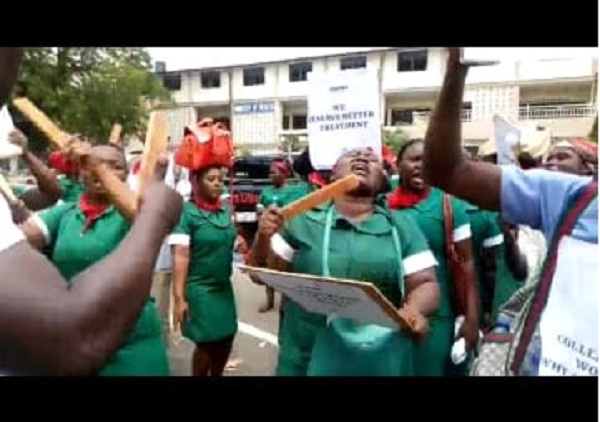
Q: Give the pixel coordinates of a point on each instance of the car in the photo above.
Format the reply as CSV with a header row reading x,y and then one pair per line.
x,y
249,176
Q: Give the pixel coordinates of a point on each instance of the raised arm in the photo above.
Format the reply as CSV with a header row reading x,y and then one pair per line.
x,y
10,60
444,165
47,327
48,189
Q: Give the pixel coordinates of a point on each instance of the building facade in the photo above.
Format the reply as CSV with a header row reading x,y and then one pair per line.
x,y
265,103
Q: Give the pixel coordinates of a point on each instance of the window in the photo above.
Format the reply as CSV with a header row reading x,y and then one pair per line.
x,y
254,76
406,116
299,121
285,124
210,79
412,61
172,82
355,62
298,71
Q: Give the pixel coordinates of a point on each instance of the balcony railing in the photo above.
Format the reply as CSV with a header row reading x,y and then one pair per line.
x,y
525,113
557,112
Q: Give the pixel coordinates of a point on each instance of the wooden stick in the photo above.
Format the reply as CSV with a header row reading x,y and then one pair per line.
x,y
117,191
327,193
41,121
7,190
115,134
156,144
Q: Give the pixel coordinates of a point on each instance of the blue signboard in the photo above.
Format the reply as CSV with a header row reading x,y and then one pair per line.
x,y
249,108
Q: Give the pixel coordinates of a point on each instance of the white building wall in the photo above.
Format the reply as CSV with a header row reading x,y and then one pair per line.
x,y
177,119
429,78
260,127
491,89
255,92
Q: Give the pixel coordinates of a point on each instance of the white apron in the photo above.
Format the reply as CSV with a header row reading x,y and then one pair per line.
x,y
569,323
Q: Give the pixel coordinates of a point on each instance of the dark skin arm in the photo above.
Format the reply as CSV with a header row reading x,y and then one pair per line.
x,y
48,190
515,260
261,254
470,328
181,263
47,327
423,291
444,164
10,60
489,257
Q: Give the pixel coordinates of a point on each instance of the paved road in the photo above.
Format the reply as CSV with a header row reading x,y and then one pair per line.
x,y
253,351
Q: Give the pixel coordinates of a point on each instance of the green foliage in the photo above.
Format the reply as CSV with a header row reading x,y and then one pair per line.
x,y
291,143
394,140
87,90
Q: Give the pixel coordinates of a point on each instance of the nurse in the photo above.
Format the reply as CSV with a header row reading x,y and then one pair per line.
x,y
82,233
352,237
202,250
425,205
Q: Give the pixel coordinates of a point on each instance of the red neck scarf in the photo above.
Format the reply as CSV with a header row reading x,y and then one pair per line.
x,y
316,179
207,206
403,198
91,211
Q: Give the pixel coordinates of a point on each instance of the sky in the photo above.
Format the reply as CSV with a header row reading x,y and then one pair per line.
x,y
179,58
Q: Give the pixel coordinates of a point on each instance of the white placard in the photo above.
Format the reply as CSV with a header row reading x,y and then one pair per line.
x,y
7,150
342,298
569,323
343,114
507,139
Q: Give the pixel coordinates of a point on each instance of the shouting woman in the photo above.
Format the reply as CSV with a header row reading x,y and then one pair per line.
x,y
425,205
82,233
338,239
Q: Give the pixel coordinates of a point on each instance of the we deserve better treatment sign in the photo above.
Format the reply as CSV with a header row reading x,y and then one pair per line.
x,y
343,114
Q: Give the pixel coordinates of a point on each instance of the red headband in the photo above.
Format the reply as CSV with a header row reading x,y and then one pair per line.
x,y
59,162
282,167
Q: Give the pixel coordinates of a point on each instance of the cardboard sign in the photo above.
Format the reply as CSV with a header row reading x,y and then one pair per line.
x,y
358,300
343,114
507,141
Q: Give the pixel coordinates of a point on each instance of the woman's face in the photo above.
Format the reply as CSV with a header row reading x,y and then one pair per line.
x,y
566,160
364,164
277,174
210,184
410,165
114,160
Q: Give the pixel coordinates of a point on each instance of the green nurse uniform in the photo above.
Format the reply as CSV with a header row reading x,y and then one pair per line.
x,y
433,354
208,290
366,251
73,250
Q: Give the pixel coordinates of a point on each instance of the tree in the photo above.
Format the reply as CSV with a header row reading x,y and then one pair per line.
x,y
87,90
394,140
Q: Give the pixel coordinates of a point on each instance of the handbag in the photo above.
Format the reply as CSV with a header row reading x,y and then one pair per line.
x,y
456,263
